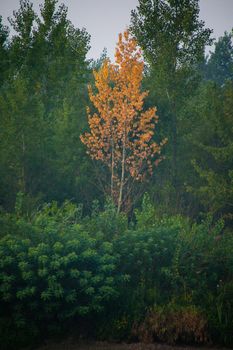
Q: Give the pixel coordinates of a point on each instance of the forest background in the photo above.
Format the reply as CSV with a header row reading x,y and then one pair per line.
x,y
67,255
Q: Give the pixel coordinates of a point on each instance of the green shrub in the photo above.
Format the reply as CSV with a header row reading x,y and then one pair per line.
x,y
108,221
147,255
169,258
55,275
59,271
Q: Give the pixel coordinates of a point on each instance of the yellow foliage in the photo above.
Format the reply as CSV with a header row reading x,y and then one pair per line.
x,y
119,123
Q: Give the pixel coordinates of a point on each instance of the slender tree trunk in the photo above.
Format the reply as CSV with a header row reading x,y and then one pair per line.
x,y
174,140
112,171
122,174
175,150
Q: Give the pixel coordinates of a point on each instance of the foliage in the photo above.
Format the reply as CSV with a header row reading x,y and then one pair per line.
x,y
164,270
178,31
69,269
108,221
39,114
173,324
170,260
211,153
57,273
219,66
43,106
120,133
173,40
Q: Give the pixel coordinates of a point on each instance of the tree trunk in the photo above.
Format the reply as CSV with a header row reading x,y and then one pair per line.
x,y
174,140
122,175
112,171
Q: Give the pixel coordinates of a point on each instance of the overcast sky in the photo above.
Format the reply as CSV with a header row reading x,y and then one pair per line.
x,y
104,19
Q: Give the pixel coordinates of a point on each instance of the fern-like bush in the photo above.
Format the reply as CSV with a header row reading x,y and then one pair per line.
x,y
59,272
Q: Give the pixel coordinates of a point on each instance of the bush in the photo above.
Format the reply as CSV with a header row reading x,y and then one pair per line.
x,y
59,273
147,256
170,258
173,324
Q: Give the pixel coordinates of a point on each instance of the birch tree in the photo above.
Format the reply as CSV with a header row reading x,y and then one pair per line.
x,y
122,133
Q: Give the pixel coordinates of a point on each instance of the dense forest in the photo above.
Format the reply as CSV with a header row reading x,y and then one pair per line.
x,y
116,179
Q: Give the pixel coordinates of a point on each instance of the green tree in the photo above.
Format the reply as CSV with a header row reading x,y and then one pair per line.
x,y
211,134
219,66
22,22
173,39
44,95
21,141
4,39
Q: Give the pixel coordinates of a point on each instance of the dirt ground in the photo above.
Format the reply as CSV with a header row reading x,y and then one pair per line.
x,y
71,345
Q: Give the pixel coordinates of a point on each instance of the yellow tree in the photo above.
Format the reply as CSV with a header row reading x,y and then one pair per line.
x,y
121,133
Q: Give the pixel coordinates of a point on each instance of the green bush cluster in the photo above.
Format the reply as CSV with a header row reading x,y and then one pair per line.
x,y
157,278
58,272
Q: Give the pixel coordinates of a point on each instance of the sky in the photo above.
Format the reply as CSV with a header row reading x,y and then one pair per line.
x,y
105,19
